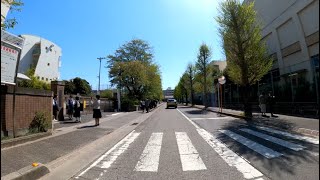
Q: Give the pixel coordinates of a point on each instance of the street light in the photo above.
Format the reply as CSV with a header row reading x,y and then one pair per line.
x,y
100,58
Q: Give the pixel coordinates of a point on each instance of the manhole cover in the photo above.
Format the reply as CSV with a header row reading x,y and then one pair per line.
x,y
134,124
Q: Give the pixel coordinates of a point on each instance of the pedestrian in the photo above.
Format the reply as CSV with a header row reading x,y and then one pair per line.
x,y
55,107
77,109
262,104
271,103
96,109
142,105
70,107
147,103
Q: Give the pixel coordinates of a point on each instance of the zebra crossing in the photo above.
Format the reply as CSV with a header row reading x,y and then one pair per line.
x,y
191,160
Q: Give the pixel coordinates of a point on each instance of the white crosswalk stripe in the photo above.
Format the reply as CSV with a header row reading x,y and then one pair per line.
x,y
275,140
189,156
265,151
293,136
149,159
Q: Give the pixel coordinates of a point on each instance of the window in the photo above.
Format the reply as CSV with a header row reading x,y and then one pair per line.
x,y
48,64
42,78
38,77
46,79
315,61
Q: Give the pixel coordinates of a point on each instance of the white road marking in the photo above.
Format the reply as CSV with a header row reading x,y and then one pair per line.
x,y
194,124
115,114
189,156
110,156
213,118
231,158
299,137
265,151
149,159
275,140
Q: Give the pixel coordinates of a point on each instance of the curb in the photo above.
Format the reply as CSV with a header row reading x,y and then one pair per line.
x,y
28,173
304,131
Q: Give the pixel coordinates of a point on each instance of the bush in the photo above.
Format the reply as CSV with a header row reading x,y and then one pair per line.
x,y
40,123
128,104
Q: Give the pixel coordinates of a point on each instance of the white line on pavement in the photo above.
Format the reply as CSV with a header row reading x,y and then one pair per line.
x,y
189,156
231,158
275,140
265,151
110,156
194,124
149,159
212,118
299,137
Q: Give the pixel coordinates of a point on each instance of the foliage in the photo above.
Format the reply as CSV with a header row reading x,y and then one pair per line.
x,y
246,53
34,82
14,6
40,123
202,66
190,80
108,93
77,85
132,68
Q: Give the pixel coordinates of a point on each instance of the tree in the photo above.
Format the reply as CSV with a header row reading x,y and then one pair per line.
x,y
14,6
34,82
246,53
202,66
132,68
77,85
108,93
191,75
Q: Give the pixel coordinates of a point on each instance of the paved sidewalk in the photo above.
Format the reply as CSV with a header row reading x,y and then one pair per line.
x,y
307,126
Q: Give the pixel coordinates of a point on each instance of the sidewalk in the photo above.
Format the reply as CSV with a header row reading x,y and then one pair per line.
x,y
306,126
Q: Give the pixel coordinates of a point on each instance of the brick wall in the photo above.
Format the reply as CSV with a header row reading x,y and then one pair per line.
x,y
27,103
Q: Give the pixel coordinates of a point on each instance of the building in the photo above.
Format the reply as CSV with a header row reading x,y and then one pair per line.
x,y
4,10
41,54
221,65
168,93
291,32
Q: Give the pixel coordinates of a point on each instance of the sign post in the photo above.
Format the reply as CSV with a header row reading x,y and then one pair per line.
x,y
222,80
11,46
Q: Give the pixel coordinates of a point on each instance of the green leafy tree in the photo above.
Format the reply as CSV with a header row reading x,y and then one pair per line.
x,y
202,66
69,87
191,77
107,93
34,82
14,6
246,53
132,68
81,86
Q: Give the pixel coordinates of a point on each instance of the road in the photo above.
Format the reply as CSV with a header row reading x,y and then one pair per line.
x,y
188,143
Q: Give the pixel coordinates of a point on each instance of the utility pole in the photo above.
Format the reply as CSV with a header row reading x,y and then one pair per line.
x,y
100,58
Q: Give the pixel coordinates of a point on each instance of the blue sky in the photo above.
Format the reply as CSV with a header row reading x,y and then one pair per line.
x,y
86,30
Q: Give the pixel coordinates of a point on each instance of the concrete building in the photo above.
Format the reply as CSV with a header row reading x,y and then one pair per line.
x,y
4,10
41,54
168,93
221,65
290,29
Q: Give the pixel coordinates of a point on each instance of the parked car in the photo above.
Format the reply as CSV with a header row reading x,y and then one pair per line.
x,y
172,103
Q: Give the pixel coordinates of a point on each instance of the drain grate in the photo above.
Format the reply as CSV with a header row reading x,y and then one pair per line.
x,y
134,124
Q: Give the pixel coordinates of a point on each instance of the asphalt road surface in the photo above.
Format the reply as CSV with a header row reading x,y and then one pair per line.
x,y
188,143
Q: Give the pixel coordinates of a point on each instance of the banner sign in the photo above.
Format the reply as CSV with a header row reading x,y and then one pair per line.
x,y
11,46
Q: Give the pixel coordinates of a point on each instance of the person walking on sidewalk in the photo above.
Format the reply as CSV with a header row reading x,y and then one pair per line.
x,y
70,107
262,104
96,109
55,107
271,102
142,105
147,104
77,109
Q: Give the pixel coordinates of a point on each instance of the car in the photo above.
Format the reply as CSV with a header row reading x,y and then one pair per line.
x,y
172,103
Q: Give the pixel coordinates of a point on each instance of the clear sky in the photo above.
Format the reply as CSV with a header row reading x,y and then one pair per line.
x,y
86,30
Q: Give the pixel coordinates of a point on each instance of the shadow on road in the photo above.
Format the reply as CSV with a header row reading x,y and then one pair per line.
x,y
89,126
288,162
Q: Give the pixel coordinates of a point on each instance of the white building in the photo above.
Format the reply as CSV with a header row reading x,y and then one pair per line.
x,y
41,54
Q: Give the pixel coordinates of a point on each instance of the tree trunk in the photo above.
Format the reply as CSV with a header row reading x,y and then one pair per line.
x,y
246,102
